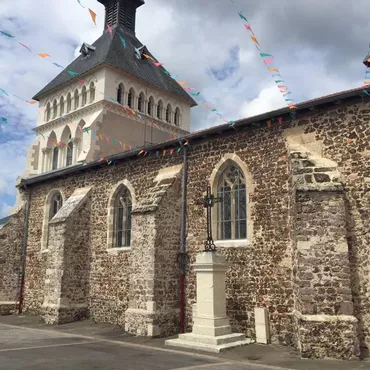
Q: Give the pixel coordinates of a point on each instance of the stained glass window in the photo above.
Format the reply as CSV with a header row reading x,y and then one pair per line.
x,y
232,210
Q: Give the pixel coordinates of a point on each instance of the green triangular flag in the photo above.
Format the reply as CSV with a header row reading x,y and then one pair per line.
x,y
242,16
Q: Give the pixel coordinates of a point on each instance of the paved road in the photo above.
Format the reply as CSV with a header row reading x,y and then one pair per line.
x,y
27,348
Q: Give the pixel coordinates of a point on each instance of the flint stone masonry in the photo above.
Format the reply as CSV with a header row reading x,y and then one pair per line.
x,y
260,273
11,239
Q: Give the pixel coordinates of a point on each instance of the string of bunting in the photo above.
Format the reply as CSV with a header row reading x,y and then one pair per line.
x,y
367,76
92,13
268,60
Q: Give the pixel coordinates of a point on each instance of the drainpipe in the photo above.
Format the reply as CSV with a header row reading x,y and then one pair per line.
x,y
23,255
182,254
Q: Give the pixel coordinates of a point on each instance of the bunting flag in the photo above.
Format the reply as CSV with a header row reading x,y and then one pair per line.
x,y
93,15
25,46
110,30
44,55
7,34
270,58
367,78
123,41
81,3
58,65
4,92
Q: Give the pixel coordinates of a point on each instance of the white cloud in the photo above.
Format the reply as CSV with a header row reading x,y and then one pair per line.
x,y
5,209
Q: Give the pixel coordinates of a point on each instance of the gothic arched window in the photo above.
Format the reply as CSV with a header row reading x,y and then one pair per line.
x,y
130,98
159,109
140,102
55,204
168,113
120,93
232,210
55,109
177,117
61,103
92,92
69,102
122,219
150,106
55,158
76,98
69,157
84,96
47,118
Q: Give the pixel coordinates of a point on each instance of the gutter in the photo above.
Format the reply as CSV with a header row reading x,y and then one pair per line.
x,y
23,255
182,254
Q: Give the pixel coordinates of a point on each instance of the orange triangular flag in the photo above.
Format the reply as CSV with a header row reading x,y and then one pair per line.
x,y
273,70
254,39
93,16
149,57
182,83
31,102
44,55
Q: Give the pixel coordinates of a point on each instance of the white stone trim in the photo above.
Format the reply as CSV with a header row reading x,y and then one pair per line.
x,y
110,216
115,251
225,161
45,223
235,243
324,318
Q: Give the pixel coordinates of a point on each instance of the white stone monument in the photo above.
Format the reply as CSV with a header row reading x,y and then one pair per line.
x,y
211,330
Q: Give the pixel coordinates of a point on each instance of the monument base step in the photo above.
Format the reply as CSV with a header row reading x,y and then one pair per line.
x,y
208,343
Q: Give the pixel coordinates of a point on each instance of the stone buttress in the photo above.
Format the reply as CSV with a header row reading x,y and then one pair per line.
x,y
154,293
68,262
323,317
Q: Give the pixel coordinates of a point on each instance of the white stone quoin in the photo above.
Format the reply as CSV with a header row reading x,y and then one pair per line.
x,y
211,330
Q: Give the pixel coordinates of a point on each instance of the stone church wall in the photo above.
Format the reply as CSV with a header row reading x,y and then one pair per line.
x,y
11,239
261,271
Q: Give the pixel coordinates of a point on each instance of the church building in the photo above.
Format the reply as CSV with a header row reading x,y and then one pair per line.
x,y
109,230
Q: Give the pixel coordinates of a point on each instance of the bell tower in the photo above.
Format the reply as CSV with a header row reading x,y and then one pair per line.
x,y
121,13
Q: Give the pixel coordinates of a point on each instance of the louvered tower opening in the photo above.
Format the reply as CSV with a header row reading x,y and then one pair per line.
x,y
121,12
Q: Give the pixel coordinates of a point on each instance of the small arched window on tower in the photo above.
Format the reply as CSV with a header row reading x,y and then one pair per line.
x,y
55,108
122,219
69,102
55,205
159,109
177,117
120,93
55,158
140,102
69,151
150,106
92,92
76,98
168,113
61,103
47,116
84,96
232,210
130,98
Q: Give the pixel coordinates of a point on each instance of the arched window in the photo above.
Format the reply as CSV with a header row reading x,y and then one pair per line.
x,y
69,102
159,109
92,92
168,113
69,157
120,93
140,102
122,219
232,210
150,106
84,96
130,98
55,108
47,118
177,117
61,103
55,205
55,158
76,98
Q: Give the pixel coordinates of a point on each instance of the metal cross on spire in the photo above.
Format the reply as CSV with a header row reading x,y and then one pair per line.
x,y
208,202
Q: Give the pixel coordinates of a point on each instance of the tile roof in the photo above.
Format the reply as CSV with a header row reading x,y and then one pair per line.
x,y
110,51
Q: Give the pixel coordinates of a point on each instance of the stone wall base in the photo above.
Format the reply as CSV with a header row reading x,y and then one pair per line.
x,y
58,314
326,336
152,323
7,308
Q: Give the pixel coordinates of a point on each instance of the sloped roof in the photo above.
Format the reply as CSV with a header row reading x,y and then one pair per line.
x,y
4,220
110,51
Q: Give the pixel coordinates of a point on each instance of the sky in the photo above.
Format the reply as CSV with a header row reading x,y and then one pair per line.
x,y
318,47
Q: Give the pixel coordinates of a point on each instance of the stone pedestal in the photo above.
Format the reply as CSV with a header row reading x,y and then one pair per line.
x,y
211,330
